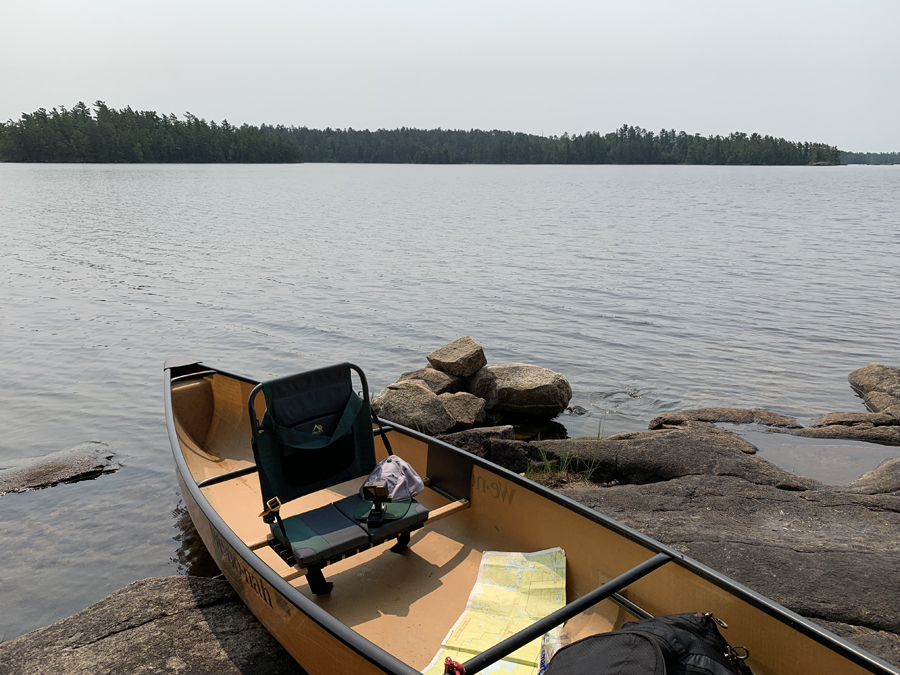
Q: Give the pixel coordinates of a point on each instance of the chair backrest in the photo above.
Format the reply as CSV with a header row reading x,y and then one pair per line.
x,y
316,432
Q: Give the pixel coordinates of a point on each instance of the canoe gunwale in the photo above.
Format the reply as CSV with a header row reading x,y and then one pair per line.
x,y
391,664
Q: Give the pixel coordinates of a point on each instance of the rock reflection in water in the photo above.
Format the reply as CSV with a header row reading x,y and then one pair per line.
x,y
192,558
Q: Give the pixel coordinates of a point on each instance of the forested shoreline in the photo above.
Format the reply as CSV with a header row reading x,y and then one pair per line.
x,y
108,135
626,145
104,134
870,157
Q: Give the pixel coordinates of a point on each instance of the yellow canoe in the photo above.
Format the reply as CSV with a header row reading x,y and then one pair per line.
x,y
389,613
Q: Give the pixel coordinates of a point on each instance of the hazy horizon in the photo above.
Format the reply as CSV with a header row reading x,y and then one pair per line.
x,y
805,71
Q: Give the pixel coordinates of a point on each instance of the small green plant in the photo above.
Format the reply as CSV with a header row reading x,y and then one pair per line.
x,y
594,463
566,466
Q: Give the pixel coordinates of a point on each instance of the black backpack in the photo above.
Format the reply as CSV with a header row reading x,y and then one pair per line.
x,y
680,644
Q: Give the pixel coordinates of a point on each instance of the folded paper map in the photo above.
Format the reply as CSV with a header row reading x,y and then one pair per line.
x,y
513,591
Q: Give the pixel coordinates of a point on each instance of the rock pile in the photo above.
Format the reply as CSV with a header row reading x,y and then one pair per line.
x,y
457,389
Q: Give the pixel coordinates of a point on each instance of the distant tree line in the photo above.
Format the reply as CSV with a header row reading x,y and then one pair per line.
x,y
105,134
870,157
626,145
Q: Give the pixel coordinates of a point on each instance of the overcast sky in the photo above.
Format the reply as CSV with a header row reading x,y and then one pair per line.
x,y
818,71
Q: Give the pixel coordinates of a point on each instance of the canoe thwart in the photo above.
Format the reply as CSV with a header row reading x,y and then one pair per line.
x,y
538,628
447,510
256,544
293,574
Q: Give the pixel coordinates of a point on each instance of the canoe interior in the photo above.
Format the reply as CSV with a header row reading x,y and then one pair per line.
x,y
406,603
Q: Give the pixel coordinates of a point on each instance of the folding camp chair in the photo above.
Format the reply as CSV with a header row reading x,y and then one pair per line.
x,y
317,432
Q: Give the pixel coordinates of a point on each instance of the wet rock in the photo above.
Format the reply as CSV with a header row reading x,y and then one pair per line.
x,y
83,462
855,419
521,388
463,357
879,385
171,625
826,555
537,428
463,407
413,406
733,415
692,448
437,381
864,431
477,441
883,479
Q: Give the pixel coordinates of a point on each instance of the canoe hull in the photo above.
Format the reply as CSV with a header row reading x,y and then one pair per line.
x,y
316,649
527,515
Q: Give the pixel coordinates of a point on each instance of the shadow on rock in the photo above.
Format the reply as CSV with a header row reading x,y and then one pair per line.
x,y
171,625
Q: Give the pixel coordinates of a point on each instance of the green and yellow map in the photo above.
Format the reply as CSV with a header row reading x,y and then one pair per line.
x,y
513,591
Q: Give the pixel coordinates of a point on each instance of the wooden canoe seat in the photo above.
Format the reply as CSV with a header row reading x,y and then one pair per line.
x,y
315,433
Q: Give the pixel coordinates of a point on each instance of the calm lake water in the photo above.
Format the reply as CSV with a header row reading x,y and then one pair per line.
x,y
651,288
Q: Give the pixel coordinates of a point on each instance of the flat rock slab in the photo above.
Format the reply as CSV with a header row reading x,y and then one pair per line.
x,y
691,448
733,415
182,625
463,357
883,479
826,555
83,462
856,419
885,435
879,385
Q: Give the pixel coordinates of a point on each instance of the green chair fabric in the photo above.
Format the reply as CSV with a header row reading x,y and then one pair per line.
x,y
315,433
401,516
317,536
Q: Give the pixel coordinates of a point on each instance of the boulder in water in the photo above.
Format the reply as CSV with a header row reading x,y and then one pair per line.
x,y
521,388
463,357
414,406
437,381
465,408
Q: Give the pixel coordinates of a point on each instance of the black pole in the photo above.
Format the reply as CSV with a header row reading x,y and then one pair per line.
x,y
630,607
228,475
538,628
